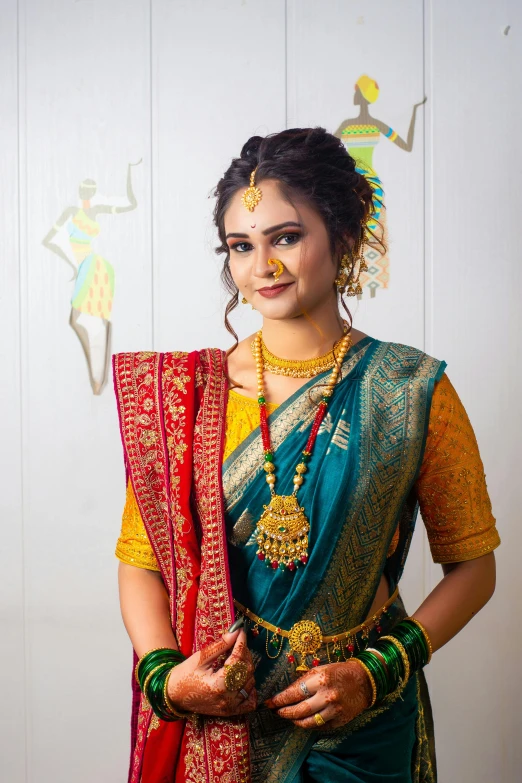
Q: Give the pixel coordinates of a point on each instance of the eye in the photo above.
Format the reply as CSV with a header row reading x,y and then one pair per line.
x,y
244,247
296,237
238,245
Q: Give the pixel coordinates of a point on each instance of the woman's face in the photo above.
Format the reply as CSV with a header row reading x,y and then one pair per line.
x,y
275,230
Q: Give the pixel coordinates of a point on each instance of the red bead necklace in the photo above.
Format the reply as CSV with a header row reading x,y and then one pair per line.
x,y
282,530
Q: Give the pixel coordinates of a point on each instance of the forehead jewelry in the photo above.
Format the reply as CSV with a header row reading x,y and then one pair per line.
x,y
280,268
252,195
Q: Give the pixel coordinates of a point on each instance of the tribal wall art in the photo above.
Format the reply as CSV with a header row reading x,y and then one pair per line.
x,y
360,136
93,293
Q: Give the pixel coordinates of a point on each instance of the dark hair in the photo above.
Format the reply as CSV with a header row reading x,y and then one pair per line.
x,y
311,165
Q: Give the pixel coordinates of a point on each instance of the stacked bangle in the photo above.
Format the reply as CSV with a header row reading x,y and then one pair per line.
x,y
152,673
389,664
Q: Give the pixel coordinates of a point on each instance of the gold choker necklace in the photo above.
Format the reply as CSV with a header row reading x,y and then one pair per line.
x,y
300,368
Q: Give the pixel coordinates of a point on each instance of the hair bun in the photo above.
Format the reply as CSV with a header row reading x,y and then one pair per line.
x,y
250,148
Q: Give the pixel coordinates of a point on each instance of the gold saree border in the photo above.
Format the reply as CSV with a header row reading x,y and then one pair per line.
x,y
226,741
394,414
175,379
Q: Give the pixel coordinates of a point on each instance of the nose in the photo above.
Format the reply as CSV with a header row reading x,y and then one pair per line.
x,y
261,268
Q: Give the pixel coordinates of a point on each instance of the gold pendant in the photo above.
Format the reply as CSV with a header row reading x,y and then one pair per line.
x,y
282,534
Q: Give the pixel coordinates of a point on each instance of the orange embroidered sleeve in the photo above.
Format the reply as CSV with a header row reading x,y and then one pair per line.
x,y
133,546
451,486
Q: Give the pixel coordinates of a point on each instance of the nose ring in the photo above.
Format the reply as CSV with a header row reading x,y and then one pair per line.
x,y
280,268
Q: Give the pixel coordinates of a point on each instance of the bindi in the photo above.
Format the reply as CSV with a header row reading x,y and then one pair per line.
x,y
255,224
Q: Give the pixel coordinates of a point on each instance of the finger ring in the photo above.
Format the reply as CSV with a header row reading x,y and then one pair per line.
x,y
243,693
319,719
236,674
305,690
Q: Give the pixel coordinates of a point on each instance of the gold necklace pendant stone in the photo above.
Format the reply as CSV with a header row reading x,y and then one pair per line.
x,y
282,534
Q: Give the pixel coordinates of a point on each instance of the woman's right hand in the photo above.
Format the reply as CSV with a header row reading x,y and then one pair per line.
x,y
195,686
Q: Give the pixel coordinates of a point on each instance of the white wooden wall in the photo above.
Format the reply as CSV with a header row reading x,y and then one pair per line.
x,y
86,88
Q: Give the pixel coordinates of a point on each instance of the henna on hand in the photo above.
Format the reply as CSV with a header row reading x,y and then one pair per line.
x,y
195,686
340,692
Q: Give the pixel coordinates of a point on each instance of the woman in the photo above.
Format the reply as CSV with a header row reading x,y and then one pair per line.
x,y
360,135
265,530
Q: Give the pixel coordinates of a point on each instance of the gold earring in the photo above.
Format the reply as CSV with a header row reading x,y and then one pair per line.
x,y
244,301
350,273
280,268
252,195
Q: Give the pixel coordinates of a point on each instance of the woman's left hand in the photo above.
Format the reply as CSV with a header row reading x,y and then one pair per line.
x,y
338,693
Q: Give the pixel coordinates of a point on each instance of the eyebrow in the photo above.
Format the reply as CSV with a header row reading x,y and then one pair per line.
x,y
267,230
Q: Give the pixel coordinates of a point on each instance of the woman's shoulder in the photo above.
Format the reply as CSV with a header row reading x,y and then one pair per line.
x,y
399,359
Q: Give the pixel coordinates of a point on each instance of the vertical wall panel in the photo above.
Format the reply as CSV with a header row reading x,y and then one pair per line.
x,y
87,115
475,323
12,721
218,78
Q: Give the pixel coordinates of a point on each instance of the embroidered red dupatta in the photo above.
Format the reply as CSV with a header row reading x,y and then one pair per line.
x,y
172,420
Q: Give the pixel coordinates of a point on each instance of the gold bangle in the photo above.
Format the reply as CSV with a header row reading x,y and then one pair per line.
x,y
403,653
145,655
168,702
372,681
425,633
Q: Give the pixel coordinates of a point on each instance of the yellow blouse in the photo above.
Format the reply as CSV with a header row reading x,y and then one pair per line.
x,y
451,486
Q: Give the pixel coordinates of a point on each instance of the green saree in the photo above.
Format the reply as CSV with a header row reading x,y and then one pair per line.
x,y
359,489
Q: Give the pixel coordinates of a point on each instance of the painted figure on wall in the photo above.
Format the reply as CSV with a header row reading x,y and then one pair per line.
x,y
360,136
92,298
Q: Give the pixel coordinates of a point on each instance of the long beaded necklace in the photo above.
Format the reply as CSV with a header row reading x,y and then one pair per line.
x,y
282,530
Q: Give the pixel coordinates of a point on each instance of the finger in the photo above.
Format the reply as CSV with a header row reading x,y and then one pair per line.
x,y
208,654
240,651
304,708
247,705
327,715
293,693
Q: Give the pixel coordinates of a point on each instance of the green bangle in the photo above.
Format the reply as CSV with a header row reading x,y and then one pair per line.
x,y
155,694
391,653
155,658
162,667
414,641
377,671
157,653
393,660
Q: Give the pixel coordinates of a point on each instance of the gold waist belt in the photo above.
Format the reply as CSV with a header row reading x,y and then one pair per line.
x,y
306,637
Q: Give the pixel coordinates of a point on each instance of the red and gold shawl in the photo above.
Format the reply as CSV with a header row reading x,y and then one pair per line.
x,y
172,418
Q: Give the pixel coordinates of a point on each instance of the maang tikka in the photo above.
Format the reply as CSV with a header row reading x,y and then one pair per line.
x,y
252,195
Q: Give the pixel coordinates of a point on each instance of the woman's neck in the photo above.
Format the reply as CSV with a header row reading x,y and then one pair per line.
x,y
302,337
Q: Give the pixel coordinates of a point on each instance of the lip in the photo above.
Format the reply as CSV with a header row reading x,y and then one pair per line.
x,y
273,290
